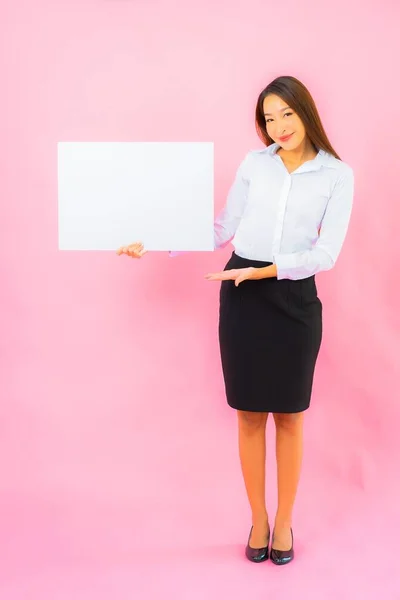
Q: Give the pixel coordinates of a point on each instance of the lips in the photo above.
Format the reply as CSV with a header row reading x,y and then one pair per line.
x,y
285,138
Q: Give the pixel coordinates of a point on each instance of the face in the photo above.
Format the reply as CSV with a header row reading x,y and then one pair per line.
x,y
282,123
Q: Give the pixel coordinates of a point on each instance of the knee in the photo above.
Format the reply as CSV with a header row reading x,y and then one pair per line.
x,y
289,422
252,421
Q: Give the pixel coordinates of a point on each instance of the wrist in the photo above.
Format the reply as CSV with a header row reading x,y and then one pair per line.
x,y
266,272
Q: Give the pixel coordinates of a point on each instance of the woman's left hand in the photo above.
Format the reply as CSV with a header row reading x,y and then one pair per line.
x,y
238,275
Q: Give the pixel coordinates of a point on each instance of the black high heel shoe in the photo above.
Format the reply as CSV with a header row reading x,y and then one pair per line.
x,y
257,555
282,557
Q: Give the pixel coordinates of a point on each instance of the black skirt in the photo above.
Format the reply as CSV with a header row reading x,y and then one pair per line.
x,y
270,333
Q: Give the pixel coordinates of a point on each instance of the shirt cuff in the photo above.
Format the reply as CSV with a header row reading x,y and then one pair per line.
x,y
285,264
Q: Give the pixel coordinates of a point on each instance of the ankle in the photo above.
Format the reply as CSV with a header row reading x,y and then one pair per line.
x,y
282,522
260,518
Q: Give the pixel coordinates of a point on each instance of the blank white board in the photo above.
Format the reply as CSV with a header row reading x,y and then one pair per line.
x,y
115,193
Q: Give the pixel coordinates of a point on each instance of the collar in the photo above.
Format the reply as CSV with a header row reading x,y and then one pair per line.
x,y
323,159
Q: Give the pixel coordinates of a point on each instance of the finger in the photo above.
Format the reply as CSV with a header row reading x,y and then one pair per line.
x,y
239,280
224,275
137,250
137,253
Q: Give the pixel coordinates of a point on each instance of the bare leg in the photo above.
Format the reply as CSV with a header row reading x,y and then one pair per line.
x,y
252,458
289,454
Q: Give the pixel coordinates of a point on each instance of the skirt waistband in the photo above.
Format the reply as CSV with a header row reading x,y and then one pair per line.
x,y
251,262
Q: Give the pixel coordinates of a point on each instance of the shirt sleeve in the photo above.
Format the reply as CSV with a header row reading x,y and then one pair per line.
x,y
333,230
227,221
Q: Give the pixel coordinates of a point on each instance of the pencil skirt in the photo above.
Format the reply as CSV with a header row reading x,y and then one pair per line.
x,y
270,333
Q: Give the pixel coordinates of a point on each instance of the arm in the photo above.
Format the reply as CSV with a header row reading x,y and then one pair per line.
x,y
227,221
333,230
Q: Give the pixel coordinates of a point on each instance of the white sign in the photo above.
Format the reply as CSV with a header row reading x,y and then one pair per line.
x,y
112,194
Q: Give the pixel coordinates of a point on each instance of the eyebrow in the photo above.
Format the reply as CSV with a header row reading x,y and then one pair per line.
x,y
281,110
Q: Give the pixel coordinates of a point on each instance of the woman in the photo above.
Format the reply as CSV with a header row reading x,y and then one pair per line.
x,y
287,214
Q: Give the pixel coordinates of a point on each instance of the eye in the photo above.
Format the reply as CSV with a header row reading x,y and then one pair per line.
x,y
288,114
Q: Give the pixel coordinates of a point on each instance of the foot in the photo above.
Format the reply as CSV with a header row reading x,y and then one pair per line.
x,y
282,539
257,549
282,556
259,534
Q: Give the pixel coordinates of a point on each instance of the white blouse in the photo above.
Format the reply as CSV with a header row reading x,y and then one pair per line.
x,y
297,220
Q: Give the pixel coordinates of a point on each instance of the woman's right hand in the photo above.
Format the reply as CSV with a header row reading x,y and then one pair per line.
x,y
135,250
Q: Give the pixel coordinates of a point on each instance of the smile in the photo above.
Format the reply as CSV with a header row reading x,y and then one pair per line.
x,y
285,138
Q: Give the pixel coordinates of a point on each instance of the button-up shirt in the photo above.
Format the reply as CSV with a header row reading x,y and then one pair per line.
x,y
296,220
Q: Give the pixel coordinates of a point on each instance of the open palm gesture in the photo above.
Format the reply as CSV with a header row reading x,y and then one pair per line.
x,y
238,275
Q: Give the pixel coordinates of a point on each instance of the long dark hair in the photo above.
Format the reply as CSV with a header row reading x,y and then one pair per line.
x,y
297,96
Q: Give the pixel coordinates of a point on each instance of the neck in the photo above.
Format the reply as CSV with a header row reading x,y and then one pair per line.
x,y
305,151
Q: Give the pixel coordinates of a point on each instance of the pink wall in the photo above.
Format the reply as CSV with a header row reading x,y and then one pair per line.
x,y
115,434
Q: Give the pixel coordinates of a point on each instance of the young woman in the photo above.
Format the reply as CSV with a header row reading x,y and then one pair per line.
x,y
287,214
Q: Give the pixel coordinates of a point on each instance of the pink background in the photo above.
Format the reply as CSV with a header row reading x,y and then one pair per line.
x,y
119,469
